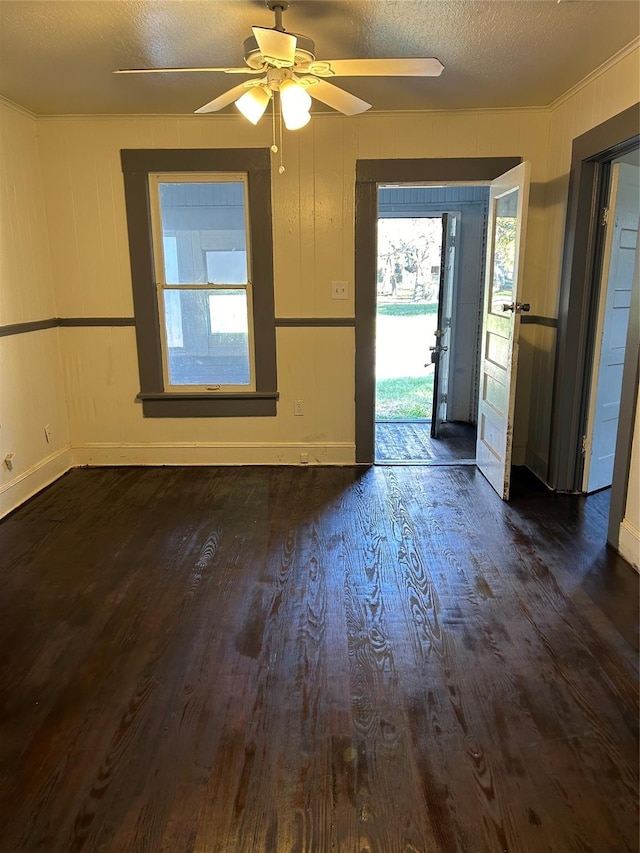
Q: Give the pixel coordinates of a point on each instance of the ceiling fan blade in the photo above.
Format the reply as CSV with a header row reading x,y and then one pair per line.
x,y
276,47
335,97
225,99
399,67
178,70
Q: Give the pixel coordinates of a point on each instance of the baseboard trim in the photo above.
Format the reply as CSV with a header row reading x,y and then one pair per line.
x,y
241,453
28,483
537,465
629,543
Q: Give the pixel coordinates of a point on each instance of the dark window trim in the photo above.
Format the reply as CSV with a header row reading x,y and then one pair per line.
x,y
256,163
253,404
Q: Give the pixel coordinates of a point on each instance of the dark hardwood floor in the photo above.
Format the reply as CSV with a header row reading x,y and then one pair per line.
x,y
410,442
315,659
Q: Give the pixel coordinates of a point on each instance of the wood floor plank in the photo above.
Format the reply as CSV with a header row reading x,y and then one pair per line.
x,y
315,659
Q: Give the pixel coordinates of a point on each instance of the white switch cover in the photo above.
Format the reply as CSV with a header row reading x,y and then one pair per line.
x,y
339,289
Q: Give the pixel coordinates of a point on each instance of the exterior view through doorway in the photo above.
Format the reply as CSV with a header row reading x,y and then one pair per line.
x,y
407,307
429,263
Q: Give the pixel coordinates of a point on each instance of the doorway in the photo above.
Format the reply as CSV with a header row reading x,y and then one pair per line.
x,y
446,173
429,286
619,257
592,155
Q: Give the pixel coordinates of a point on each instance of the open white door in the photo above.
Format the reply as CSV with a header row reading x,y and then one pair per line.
x,y
508,203
620,247
440,353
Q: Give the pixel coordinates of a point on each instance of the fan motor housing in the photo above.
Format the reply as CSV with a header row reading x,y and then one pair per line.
x,y
305,51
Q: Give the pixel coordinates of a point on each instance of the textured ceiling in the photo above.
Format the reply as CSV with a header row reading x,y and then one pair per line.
x,y
56,56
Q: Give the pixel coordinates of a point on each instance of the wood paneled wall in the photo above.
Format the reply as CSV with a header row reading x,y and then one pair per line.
x,y
314,245
70,259
32,391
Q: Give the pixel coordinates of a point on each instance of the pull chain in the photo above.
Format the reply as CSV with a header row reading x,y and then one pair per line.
x,y
274,147
281,166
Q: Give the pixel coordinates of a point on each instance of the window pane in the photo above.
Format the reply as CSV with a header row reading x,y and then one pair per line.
x,y
203,232
504,251
207,336
226,267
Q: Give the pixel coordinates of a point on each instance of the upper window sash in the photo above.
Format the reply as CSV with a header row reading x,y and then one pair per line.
x,y
160,232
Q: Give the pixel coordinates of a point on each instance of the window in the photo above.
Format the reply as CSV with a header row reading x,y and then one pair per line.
x,y
200,247
504,250
202,270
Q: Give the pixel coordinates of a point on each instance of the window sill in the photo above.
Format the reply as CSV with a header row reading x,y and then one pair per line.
x,y
200,404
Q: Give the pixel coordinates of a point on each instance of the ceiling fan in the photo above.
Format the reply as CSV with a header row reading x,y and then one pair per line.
x,y
287,64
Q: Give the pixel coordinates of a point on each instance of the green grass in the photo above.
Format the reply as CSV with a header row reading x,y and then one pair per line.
x,y
407,309
404,398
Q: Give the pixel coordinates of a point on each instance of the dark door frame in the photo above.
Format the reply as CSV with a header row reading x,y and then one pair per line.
x,y
592,154
370,173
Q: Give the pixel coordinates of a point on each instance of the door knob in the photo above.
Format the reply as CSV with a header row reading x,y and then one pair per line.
x,y
518,307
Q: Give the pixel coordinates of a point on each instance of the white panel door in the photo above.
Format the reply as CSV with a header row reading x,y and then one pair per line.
x,y
508,203
441,352
621,242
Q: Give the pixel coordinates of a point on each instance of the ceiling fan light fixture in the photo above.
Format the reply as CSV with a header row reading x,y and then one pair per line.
x,y
253,103
296,121
296,103
289,66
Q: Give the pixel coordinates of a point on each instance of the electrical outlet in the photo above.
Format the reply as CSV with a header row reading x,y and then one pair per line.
x,y
304,458
339,289
47,433
298,408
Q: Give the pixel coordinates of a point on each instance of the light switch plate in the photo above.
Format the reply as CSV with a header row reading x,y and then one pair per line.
x,y
339,289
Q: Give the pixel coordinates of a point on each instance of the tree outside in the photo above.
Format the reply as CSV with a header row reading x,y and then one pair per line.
x,y
408,281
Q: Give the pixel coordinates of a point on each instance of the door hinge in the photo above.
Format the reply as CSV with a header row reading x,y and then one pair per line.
x,y
584,444
605,216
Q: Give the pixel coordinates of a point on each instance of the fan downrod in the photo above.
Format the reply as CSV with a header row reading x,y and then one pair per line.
x,y
277,7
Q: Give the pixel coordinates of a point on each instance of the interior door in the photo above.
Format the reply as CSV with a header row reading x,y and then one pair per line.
x,y
620,246
441,352
508,203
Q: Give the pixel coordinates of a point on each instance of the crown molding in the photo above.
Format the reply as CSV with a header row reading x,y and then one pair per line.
x,y
593,75
17,108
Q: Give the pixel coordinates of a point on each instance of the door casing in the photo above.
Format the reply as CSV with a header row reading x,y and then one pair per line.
x,y
370,173
592,154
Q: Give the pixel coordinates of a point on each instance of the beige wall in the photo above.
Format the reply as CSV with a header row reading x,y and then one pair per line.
x,y
313,203
31,384
72,242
